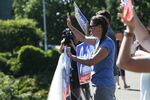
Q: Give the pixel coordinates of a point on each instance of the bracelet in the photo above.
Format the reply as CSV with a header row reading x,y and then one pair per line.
x,y
128,34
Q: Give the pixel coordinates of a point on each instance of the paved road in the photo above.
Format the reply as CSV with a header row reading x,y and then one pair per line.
x,y
133,93
133,79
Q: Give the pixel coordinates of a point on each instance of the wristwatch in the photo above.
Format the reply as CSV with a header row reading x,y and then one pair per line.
x,y
129,34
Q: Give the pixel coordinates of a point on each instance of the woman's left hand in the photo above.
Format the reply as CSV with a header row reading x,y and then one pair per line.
x,y
69,54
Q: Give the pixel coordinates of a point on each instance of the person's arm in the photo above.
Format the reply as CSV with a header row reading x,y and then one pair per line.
x,y
125,61
101,54
140,31
140,63
80,36
73,45
124,52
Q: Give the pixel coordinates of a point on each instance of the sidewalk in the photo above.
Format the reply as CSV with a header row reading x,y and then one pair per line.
x,y
133,93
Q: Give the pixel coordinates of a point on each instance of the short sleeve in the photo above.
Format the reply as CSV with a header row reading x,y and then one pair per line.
x,y
108,44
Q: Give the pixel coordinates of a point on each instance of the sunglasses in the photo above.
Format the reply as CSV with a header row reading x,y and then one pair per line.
x,y
93,26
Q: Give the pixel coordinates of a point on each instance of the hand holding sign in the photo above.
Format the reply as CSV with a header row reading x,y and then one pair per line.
x,y
68,51
127,9
127,14
69,24
83,22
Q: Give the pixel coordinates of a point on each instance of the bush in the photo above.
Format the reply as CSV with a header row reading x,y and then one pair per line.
x,y
3,65
5,86
52,60
23,88
31,59
6,55
38,67
34,60
16,33
14,66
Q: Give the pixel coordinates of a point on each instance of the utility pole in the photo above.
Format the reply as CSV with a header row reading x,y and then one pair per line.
x,y
44,25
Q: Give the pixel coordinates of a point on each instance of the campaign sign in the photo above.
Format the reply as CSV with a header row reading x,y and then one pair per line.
x,y
66,76
84,50
83,22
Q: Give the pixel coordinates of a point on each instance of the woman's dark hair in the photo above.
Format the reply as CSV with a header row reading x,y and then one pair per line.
x,y
105,14
100,20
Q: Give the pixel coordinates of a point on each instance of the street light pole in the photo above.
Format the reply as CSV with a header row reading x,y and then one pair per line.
x,y
44,25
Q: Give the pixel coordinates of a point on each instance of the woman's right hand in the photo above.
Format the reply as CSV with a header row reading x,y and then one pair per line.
x,y
68,50
69,23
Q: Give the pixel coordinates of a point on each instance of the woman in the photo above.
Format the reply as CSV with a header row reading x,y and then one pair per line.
x,y
103,59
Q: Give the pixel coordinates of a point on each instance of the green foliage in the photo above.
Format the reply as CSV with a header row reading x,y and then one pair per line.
x,y
3,65
14,66
29,9
19,5
142,8
56,13
6,55
16,33
5,87
35,86
114,8
33,60
23,88
52,57
46,76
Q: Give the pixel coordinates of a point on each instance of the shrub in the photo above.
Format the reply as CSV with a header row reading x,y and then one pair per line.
x,y
16,33
22,88
34,60
52,60
6,55
31,59
3,65
14,66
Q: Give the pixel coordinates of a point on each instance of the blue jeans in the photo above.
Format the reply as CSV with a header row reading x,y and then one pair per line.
x,y
104,93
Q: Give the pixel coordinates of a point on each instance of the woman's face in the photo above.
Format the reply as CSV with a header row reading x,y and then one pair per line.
x,y
95,30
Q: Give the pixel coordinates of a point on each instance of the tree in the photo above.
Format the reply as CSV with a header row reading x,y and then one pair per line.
x,y
142,8
56,13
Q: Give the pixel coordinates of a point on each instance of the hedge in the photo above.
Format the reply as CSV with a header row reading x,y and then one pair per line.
x,y
19,32
33,60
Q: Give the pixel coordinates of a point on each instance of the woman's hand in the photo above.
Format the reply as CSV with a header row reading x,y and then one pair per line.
x,y
68,50
69,23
